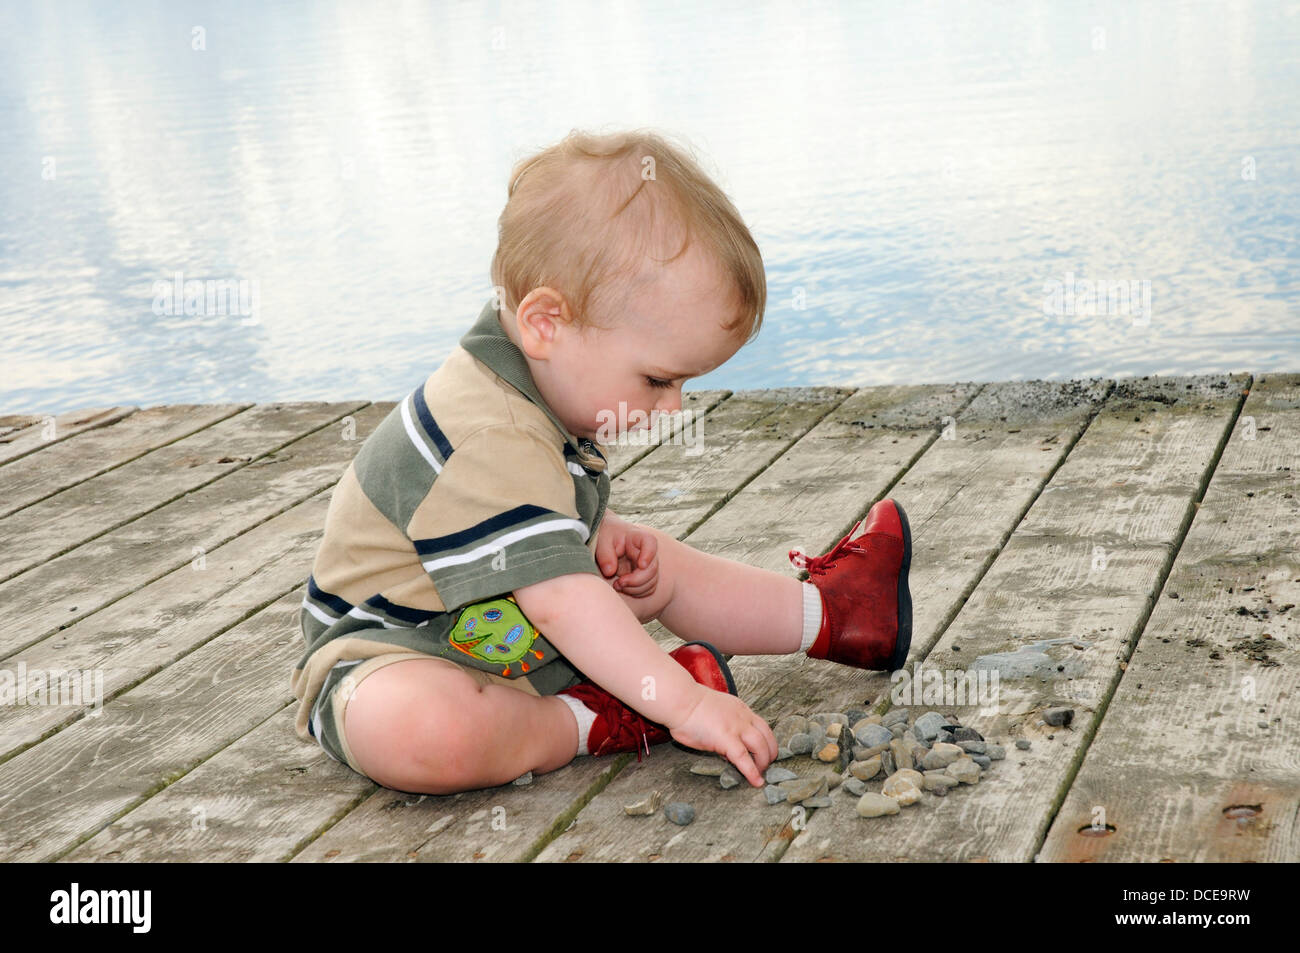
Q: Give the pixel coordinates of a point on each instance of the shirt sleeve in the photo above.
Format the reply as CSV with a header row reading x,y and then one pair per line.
x,y
502,514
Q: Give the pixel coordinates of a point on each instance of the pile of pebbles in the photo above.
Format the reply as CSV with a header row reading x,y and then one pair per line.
x,y
931,753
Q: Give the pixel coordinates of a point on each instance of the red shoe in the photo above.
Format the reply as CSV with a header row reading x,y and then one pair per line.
x,y
866,605
619,728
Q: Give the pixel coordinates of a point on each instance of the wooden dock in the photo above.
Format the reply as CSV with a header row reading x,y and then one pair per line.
x,y
1150,525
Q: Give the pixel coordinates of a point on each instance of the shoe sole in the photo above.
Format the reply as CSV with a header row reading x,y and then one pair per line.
x,y
731,687
904,642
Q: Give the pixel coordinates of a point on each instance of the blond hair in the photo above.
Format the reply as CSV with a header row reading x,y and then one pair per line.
x,y
585,215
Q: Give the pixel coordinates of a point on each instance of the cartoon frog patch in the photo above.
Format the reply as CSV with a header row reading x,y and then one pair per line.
x,y
495,631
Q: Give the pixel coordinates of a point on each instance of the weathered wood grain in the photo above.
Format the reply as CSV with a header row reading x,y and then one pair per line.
x,y
1196,758
88,454
755,530
135,637
621,456
63,790
82,512
27,433
1127,487
66,589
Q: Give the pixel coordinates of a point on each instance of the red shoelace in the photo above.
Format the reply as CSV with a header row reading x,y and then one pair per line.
x,y
622,724
817,565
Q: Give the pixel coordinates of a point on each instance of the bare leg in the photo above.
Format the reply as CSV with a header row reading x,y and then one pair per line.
x,y
428,726
741,609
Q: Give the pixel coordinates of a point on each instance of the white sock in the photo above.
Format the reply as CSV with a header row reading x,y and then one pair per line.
x,y
812,616
586,718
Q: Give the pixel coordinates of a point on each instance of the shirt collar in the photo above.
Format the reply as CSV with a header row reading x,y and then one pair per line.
x,y
487,341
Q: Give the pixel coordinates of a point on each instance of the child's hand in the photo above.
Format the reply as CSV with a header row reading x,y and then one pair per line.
x,y
632,553
724,724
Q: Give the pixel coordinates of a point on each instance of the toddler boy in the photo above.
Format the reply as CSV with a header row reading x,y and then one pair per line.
x,y
475,611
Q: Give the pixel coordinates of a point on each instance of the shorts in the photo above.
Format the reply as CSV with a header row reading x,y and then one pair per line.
x,y
327,715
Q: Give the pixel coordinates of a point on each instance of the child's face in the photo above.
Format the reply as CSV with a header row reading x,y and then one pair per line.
x,y
669,331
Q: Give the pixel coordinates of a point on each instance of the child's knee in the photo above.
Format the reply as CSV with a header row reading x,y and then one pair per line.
x,y
416,729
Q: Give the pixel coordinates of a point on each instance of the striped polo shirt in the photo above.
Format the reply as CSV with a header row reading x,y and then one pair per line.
x,y
469,489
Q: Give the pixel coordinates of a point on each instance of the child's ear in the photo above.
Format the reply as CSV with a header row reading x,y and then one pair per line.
x,y
540,315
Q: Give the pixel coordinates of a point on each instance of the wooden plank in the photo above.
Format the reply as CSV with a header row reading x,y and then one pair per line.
x,y
1200,724
257,819
34,432
117,563
295,801
697,403
753,528
97,451
1127,487
378,831
748,432
135,637
61,791
80,513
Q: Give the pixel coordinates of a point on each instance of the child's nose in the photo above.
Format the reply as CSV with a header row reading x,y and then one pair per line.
x,y
671,403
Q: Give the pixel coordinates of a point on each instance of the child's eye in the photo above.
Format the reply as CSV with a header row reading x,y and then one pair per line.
x,y
655,382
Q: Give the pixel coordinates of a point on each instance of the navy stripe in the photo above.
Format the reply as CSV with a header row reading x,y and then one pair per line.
x,y
430,426
405,613
489,527
320,595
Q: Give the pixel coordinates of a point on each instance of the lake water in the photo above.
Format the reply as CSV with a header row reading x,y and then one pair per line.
x,y
929,183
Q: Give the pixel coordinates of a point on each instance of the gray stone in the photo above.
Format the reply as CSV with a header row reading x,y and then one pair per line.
x,y
679,813
862,753
940,792
937,780
796,791
773,794
1022,744
783,753
940,756
898,729
775,774
964,770
972,747
801,744
902,789
887,763
869,736
788,726
1057,717
982,760
828,718
895,715
876,805
928,725
730,777
820,800
856,715
865,770
966,734
645,806
525,778
709,769
996,752
828,752
854,786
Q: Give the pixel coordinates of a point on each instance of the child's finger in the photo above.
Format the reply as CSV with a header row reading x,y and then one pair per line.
x,y
740,757
646,550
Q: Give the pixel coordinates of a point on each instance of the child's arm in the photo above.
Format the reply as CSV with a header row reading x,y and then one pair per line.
x,y
592,626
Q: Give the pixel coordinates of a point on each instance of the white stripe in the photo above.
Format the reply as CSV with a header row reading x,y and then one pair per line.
x,y
358,613
310,607
575,469
415,437
507,539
